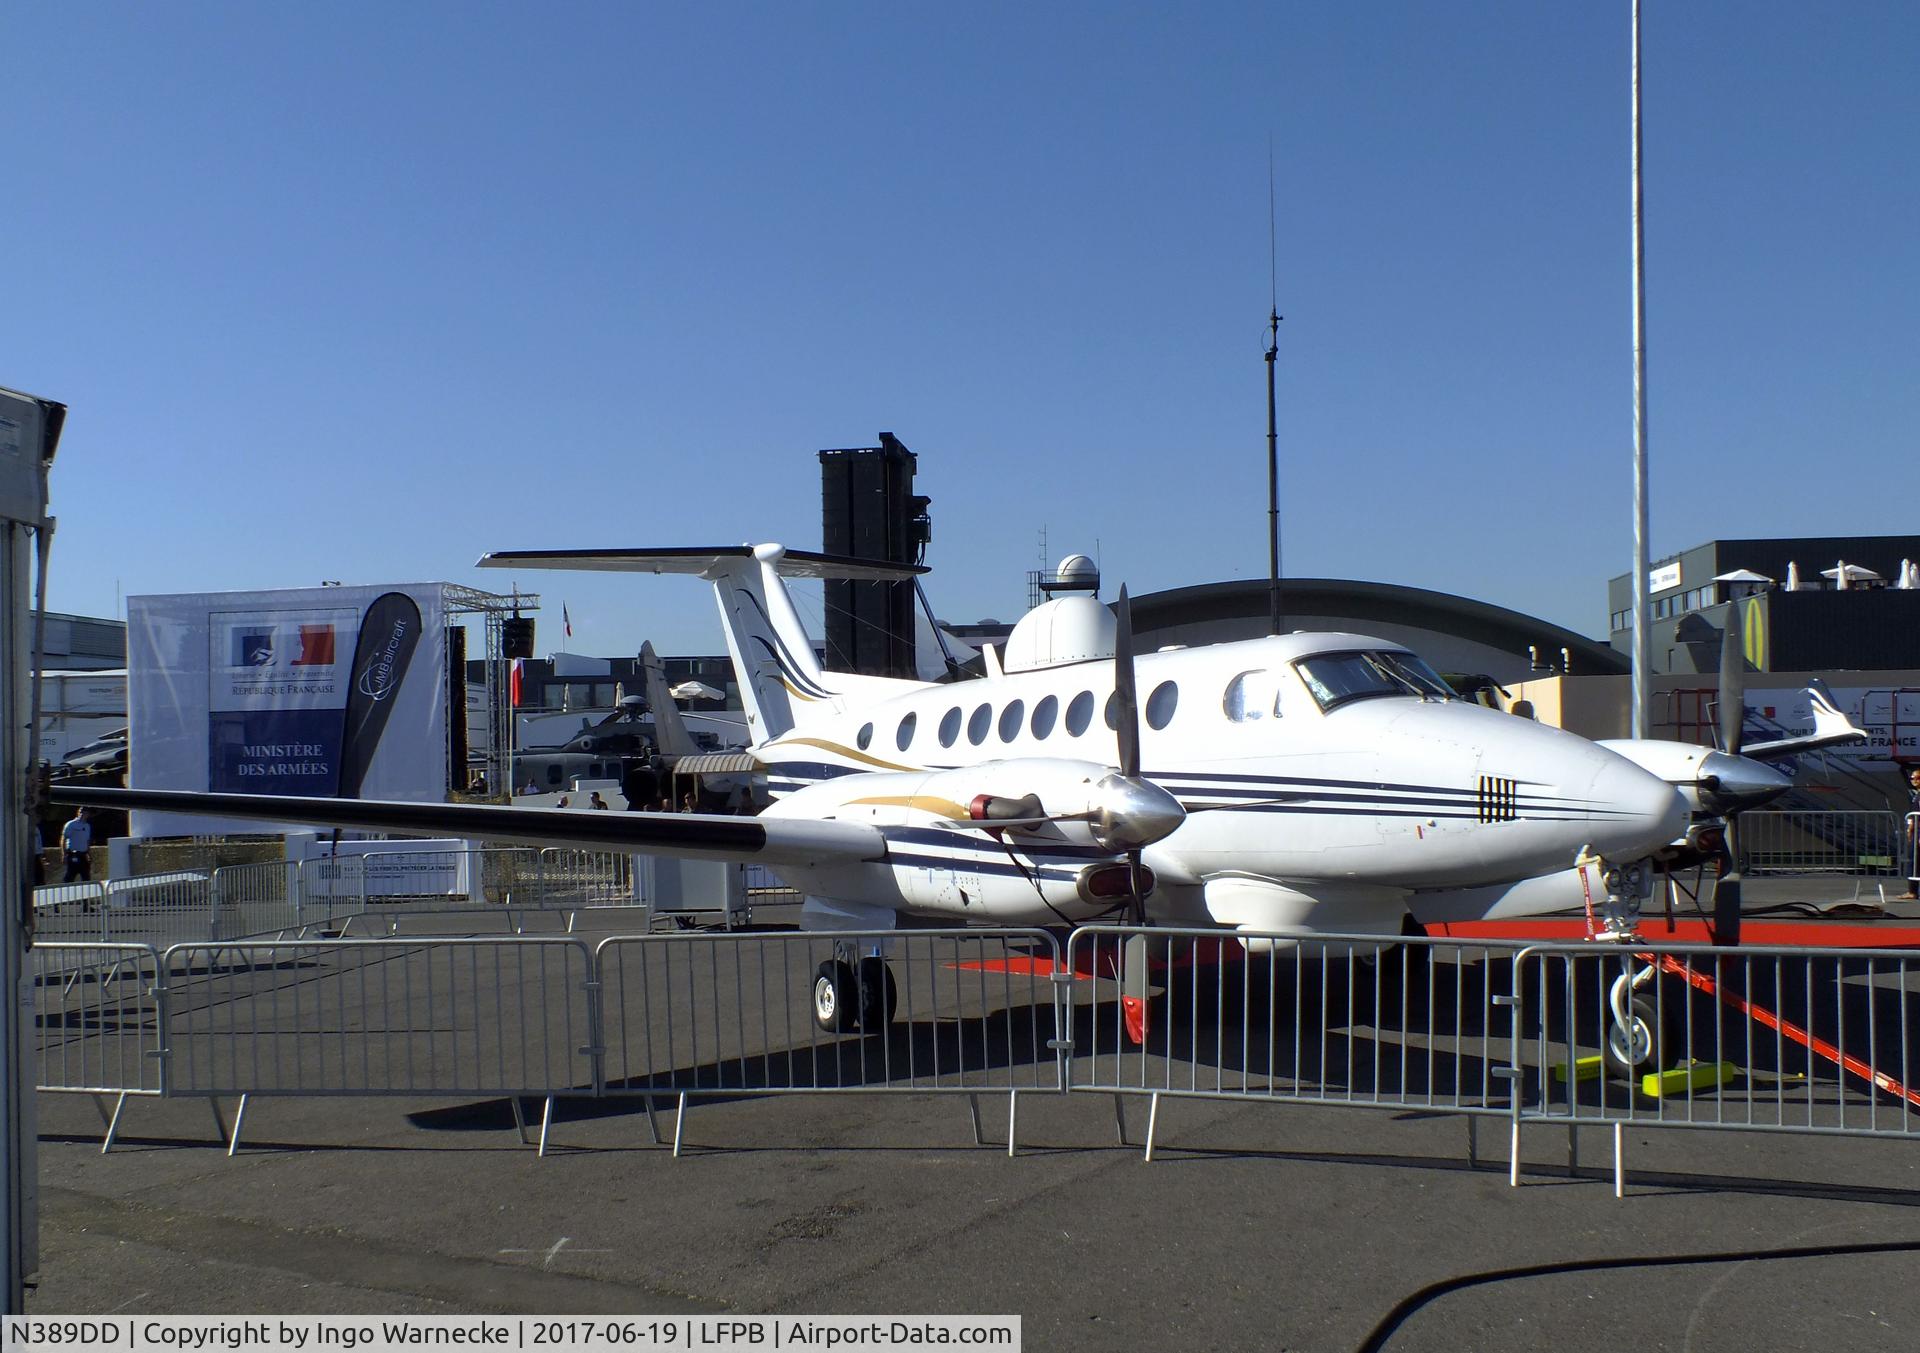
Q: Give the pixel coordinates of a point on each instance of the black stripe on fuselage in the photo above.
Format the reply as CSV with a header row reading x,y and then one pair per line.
x,y
624,831
981,865
1037,850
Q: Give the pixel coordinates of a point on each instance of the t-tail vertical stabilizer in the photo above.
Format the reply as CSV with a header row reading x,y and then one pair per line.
x,y
670,735
782,685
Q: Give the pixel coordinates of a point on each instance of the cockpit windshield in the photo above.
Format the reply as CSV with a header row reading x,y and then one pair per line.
x,y
1336,678
1414,668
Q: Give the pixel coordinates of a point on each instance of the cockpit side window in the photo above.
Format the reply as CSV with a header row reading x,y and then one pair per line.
x,y
1251,695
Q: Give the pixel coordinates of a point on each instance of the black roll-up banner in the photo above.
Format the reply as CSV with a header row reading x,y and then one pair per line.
x,y
388,635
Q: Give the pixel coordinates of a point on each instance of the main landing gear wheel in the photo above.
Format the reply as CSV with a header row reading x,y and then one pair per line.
x,y
879,997
833,998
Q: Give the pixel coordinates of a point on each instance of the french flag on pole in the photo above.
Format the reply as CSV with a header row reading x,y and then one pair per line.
x,y
566,619
514,681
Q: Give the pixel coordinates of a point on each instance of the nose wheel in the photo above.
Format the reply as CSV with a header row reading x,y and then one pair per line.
x,y
1639,1035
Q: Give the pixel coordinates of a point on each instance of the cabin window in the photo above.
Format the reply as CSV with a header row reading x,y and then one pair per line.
x,y
950,727
1113,711
905,735
553,775
1080,713
978,723
1161,704
864,737
1010,720
1044,714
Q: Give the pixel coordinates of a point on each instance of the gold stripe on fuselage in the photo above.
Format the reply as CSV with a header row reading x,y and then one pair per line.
x,y
835,748
921,803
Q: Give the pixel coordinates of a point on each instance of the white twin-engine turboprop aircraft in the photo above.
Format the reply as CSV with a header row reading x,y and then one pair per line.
x,y
1298,784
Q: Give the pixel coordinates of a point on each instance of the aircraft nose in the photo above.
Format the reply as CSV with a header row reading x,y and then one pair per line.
x,y
1729,783
1635,811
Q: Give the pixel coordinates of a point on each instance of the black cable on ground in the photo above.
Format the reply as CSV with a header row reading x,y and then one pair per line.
x,y
1391,1322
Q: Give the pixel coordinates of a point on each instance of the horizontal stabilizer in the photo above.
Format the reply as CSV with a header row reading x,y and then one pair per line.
x,y
1831,728
698,836
698,560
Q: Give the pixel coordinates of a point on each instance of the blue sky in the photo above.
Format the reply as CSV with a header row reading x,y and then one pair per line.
x,y
358,292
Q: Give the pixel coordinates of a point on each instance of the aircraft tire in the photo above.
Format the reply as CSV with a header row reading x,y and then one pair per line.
x,y
833,997
1655,1042
878,996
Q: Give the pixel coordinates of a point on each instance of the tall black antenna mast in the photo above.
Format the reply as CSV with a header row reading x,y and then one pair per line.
x,y
1273,433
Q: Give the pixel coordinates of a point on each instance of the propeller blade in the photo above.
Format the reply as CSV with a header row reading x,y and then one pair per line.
x,y
1726,891
1733,682
1127,703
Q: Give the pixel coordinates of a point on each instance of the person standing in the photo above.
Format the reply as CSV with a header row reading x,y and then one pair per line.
x,y
76,839
1913,836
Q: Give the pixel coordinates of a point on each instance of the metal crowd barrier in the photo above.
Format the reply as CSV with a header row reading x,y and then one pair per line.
x,y
1824,1042
70,911
446,1016
255,899
1865,843
504,884
585,878
97,1012
97,1009
1360,1021
159,909
1776,1040
714,1014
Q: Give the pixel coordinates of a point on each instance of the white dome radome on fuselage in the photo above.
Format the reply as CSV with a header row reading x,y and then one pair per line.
x,y
1054,633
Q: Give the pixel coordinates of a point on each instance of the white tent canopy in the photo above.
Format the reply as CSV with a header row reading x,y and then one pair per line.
x,y
1844,573
1742,575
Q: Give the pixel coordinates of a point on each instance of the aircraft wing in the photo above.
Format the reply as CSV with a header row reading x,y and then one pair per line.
x,y
1831,728
696,560
696,836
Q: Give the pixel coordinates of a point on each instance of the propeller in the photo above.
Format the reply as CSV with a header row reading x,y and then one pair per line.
x,y
1126,727
1732,712
1127,703
1127,734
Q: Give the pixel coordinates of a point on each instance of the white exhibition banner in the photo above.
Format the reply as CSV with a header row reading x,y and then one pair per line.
x,y
352,870
327,691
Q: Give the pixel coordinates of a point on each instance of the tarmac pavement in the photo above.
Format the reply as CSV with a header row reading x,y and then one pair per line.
x,y
1268,1226
1255,1226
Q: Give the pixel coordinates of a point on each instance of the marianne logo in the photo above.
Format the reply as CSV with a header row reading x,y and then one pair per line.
x,y
253,648
382,674
316,646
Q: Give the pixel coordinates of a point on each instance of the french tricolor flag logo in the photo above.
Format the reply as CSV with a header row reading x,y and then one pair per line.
x,y
316,646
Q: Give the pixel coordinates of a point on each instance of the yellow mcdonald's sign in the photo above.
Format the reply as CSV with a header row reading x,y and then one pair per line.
x,y
1754,637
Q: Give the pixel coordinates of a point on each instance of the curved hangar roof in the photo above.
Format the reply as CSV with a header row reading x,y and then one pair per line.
x,y
1454,634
